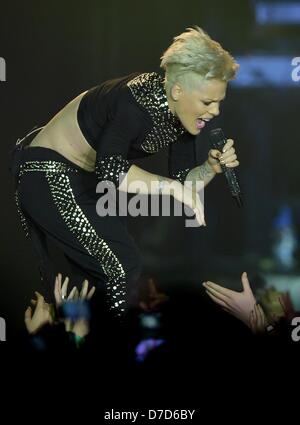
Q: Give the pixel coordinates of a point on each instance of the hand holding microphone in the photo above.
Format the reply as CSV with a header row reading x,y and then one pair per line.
x,y
226,156
222,158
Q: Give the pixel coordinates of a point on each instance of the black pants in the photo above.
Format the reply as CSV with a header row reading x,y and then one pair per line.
x,y
56,199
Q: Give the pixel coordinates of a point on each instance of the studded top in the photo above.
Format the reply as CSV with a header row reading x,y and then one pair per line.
x,y
129,118
149,92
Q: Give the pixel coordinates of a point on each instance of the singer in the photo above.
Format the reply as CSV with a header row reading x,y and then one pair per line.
x,y
97,136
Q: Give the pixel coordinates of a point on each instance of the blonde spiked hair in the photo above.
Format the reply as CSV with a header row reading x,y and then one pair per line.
x,y
194,54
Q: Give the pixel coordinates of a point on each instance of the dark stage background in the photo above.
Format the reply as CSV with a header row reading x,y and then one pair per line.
x,y
55,50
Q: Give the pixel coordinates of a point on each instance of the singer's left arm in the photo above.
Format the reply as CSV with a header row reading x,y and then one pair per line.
x,y
211,166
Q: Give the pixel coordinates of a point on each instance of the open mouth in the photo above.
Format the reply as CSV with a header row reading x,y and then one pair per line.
x,y
200,123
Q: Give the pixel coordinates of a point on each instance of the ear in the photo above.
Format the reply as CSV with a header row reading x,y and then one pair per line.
x,y
176,92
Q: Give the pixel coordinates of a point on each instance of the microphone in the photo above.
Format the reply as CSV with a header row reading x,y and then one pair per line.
x,y
218,141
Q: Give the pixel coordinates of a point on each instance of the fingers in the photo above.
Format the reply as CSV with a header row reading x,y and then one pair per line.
x,y
245,282
217,295
76,294
257,319
213,287
192,200
228,159
199,211
226,155
228,145
59,279
28,315
91,293
60,289
227,151
260,316
40,300
56,290
57,287
233,164
199,217
217,300
252,321
73,294
84,289
215,154
84,294
64,288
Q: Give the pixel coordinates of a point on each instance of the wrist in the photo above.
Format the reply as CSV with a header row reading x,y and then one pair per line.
x,y
209,167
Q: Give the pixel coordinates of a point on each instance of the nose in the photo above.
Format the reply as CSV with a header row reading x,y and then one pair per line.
x,y
214,109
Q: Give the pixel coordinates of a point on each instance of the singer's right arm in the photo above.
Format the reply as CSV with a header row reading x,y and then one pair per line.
x,y
141,181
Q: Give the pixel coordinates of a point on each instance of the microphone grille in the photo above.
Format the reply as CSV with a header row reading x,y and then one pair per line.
x,y
217,138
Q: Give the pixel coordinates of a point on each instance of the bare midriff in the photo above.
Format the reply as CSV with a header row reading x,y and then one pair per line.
x,y
63,135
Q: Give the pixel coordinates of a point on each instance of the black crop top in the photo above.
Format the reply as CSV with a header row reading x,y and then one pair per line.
x,y
128,118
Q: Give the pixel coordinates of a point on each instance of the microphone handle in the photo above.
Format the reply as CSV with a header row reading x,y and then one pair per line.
x,y
233,184
218,141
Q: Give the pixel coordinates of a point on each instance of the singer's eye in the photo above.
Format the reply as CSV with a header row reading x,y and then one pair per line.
x,y
206,103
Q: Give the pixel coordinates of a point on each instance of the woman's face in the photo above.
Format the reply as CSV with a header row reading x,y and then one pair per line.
x,y
196,106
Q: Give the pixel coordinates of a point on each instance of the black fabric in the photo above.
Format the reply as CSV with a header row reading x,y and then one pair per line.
x,y
38,238
115,125
182,156
111,121
45,220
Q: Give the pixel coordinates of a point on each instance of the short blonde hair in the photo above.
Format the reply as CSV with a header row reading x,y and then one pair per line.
x,y
194,54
